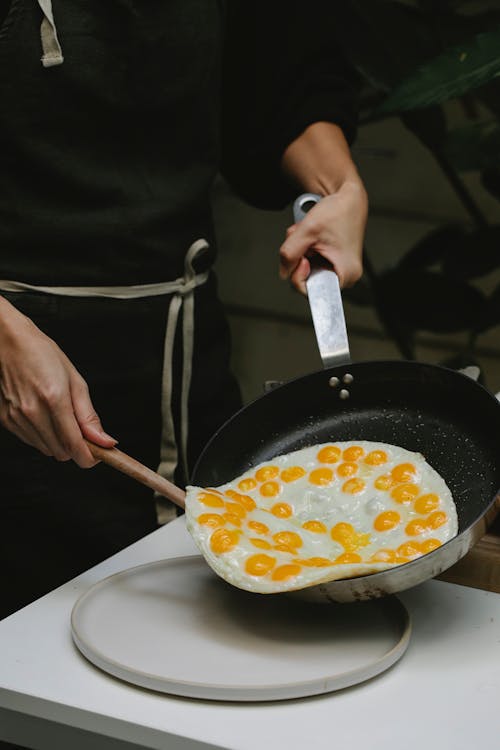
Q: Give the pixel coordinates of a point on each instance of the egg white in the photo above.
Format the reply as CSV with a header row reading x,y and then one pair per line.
x,y
329,505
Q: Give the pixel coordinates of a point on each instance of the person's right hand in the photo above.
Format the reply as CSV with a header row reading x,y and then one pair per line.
x,y
43,398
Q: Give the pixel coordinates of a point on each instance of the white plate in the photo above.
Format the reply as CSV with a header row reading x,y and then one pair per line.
x,y
174,626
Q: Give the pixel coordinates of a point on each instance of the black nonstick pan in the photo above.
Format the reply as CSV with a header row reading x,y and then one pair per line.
x,y
443,414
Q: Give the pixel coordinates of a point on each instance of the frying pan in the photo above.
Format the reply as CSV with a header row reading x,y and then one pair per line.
x,y
443,414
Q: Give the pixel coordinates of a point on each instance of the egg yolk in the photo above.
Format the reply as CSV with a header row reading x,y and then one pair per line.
x,y
247,502
236,509
409,549
261,543
353,486
232,518
347,469
266,472
405,493
416,527
285,548
282,510
223,540
436,519
386,521
213,520
419,525
316,526
290,538
284,572
258,527
330,454
213,501
321,477
247,484
425,503
403,473
353,453
376,458
346,558
346,535
270,489
383,482
429,545
292,474
259,565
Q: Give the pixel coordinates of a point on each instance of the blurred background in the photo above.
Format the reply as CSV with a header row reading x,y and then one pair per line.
x,y
428,150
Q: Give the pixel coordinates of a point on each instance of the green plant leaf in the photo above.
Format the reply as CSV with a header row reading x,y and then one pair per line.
x,y
383,39
449,75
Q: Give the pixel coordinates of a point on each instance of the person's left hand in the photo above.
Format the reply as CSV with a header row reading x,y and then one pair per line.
x,y
334,228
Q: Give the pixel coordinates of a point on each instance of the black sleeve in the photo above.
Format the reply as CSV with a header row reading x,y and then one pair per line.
x,y
282,71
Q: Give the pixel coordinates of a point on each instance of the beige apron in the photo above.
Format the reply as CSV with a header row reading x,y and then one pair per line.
x,y
181,291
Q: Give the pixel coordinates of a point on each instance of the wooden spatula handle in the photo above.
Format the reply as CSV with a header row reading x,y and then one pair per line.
x,y
134,469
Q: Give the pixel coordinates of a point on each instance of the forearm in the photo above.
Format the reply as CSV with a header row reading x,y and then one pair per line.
x,y
319,161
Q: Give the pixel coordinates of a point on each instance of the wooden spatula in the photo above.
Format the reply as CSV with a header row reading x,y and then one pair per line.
x,y
134,469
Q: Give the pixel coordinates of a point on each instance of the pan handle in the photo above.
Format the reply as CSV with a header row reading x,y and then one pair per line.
x,y
325,299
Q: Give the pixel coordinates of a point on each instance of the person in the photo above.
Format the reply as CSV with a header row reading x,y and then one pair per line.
x,y
116,117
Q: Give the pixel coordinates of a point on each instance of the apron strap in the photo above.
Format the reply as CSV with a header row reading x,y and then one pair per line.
x,y
52,52
169,453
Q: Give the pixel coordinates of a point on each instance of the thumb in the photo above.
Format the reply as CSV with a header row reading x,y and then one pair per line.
x,y
92,429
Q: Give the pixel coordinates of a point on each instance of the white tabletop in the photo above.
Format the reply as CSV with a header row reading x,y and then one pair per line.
x,y
444,692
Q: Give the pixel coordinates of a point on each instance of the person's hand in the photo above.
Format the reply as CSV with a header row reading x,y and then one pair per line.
x,y
43,399
334,228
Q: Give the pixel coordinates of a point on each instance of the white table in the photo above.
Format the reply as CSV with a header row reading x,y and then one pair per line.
x,y
443,693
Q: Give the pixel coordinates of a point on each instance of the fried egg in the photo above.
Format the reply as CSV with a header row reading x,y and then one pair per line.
x,y
322,513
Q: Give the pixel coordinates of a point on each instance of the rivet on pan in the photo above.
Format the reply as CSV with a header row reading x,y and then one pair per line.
x,y
333,382
348,378
344,394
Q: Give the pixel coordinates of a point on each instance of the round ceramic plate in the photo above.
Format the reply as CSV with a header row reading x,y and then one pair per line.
x,y
174,626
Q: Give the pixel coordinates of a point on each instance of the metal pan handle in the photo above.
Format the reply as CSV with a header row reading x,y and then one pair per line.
x,y
325,300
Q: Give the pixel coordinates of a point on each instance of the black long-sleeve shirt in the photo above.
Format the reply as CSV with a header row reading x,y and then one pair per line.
x,y
282,71
109,158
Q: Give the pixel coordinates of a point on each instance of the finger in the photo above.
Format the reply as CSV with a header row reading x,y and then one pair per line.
x,y
300,275
348,269
295,247
351,274
87,417
66,427
284,269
